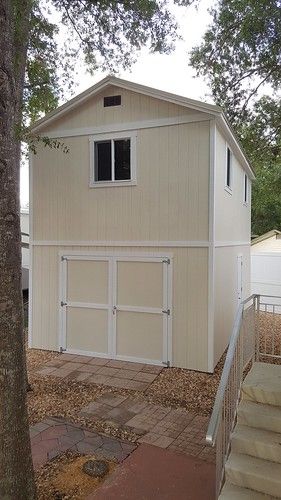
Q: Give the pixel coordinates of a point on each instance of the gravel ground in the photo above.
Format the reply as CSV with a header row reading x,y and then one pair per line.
x,y
63,478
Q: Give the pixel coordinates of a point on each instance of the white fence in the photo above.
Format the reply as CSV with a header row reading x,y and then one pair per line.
x,y
266,276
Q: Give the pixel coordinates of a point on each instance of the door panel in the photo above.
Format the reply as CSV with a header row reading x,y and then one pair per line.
x,y
87,281
140,284
139,335
87,329
115,307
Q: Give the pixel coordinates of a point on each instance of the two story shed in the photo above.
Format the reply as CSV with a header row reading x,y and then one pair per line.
x,y
140,234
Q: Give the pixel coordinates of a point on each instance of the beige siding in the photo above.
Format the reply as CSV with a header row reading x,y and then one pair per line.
x,y
134,107
169,202
232,217
190,295
226,292
272,244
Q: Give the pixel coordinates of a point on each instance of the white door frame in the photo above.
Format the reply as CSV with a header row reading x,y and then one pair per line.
x,y
112,306
239,278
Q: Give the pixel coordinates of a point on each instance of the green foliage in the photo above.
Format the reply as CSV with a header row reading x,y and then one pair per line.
x,y
105,34
240,56
241,52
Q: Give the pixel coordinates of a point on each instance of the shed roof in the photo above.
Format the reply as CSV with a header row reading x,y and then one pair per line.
x,y
215,111
265,236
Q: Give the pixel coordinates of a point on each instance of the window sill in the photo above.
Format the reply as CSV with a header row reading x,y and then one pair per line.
x,y
113,184
228,189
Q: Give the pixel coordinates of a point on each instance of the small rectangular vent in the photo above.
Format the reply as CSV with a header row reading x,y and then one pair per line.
x,y
112,100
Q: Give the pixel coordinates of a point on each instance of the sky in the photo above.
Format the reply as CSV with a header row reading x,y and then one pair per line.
x,y
165,72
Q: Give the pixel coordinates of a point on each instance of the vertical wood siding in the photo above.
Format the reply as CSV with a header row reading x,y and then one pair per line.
x,y
134,107
233,218
169,202
226,292
190,294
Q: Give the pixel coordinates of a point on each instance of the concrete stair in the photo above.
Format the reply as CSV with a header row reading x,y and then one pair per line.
x,y
253,468
233,492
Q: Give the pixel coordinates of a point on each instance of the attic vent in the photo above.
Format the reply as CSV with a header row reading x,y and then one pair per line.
x,y
112,100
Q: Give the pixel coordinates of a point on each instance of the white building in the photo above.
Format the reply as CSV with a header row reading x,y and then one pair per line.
x,y
266,264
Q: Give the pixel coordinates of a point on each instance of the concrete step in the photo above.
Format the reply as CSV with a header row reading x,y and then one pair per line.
x,y
254,473
257,443
258,415
232,492
263,384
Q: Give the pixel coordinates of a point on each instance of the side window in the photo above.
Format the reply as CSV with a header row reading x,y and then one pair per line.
x,y
113,160
246,190
228,170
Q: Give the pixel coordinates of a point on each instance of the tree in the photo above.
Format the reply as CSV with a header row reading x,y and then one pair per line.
x,y
240,56
34,69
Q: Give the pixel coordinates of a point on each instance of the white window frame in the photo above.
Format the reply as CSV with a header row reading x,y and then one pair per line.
x,y
229,188
245,191
132,135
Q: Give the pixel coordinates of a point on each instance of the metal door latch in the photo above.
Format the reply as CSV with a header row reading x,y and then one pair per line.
x,y
63,303
168,312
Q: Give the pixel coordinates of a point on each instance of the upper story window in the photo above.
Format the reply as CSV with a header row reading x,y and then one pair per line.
x,y
246,190
228,171
113,160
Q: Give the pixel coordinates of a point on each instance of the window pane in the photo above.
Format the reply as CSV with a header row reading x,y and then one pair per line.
x,y
246,189
103,161
122,159
228,168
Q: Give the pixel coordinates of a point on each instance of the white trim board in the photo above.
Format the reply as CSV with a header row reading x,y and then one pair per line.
x,y
219,244
123,127
30,283
266,254
108,243
211,251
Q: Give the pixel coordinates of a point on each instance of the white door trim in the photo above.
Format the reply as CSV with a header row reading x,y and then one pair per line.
x,y
239,278
113,307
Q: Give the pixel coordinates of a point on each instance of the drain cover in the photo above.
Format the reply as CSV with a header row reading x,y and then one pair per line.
x,y
95,468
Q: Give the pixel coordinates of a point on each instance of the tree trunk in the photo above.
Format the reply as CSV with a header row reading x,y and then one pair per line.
x,y
16,470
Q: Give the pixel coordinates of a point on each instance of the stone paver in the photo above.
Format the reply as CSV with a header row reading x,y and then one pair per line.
x,y
101,371
54,436
175,429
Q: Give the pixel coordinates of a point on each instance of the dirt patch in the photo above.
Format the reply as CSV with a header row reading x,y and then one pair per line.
x,y
64,479
188,389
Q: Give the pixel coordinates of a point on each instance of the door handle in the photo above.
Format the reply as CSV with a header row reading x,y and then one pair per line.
x,y
114,309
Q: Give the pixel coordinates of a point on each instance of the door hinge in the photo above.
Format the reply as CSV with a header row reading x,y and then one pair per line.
x,y
62,349
166,261
63,303
168,312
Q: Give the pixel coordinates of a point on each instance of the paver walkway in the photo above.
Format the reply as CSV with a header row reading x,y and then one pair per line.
x,y
175,429
153,473
113,373
55,435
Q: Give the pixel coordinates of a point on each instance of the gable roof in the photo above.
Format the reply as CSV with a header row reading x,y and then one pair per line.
x,y
215,111
265,236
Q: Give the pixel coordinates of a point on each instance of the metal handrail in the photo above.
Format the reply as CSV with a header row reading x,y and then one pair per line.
x,y
215,417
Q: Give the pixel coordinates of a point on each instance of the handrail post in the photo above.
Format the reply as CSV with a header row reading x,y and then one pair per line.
x,y
257,329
